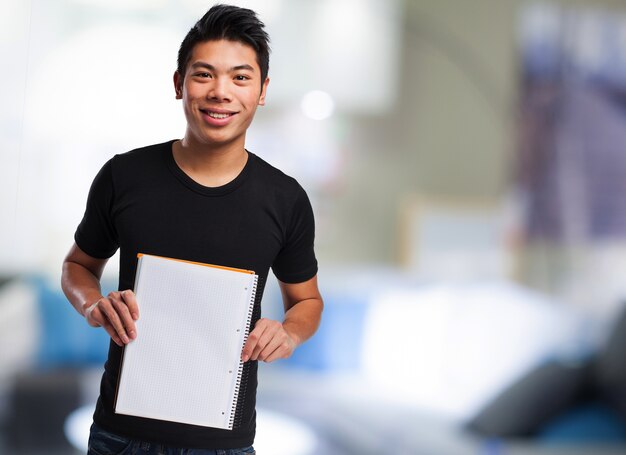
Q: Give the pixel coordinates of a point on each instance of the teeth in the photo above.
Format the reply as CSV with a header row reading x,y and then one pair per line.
x,y
216,115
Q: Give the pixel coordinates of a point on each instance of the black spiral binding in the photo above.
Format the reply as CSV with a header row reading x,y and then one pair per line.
x,y
241,364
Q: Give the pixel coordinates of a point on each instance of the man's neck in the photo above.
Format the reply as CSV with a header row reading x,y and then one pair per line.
x,y
207,165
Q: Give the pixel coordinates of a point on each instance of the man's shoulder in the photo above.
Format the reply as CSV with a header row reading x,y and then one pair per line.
x,y
272,176
143,154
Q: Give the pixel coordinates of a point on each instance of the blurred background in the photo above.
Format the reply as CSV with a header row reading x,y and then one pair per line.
x,y
467,166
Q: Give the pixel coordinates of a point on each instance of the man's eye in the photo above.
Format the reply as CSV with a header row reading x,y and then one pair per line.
x,y
241,77
203,75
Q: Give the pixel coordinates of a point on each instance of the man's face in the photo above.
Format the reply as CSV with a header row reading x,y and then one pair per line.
x,y
220,92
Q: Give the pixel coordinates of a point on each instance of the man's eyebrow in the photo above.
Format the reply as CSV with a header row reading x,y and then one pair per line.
x,y
203,65
210,67
245,66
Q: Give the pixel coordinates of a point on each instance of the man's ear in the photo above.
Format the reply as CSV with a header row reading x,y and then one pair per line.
x,y
178,85
263,91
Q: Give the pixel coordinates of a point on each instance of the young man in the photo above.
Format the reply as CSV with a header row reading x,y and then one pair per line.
x,y
204,198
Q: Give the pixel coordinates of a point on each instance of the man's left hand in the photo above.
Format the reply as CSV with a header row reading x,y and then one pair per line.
x,y
268,341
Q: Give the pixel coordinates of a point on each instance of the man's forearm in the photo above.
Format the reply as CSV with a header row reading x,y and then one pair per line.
x,y
303,319
80,286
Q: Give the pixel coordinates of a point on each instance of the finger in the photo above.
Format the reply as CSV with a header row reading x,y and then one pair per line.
x,y
112,333
271,347
131,303
123,312
252,341
93,315
277,354
264,340
97,318
109,308
250,345
282,347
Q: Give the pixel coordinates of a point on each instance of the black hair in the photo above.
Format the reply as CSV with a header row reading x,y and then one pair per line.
x,y
231,23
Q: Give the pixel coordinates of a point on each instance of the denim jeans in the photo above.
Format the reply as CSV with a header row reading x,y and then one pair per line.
x,y
101,442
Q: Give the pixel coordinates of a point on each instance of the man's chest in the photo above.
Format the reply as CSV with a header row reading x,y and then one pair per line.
x,y
239,231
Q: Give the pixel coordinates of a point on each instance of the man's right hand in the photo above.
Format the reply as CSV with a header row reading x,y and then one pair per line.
x,y
117,314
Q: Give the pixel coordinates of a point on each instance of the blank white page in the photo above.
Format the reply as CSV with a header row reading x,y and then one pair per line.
x,y
185,364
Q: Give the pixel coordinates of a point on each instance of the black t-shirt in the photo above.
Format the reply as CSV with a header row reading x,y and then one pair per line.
x,y
142,202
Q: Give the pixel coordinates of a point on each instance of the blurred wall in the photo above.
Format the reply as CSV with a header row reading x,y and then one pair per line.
x,y
449,134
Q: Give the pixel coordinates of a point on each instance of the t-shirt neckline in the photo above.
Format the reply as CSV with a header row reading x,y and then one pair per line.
x,y
199,188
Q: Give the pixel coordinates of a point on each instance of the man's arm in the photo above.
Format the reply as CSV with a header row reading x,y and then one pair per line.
x,y
80,281
272,340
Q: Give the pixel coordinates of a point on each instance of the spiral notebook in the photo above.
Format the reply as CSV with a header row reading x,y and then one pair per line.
x,y
185,364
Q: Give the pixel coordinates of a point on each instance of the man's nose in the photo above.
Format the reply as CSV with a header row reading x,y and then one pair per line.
x,y
219,90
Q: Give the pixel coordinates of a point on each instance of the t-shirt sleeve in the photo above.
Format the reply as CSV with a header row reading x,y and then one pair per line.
x,y
296,261
96,234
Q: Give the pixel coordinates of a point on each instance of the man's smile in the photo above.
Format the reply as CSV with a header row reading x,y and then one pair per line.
x,y
217,116
217,113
